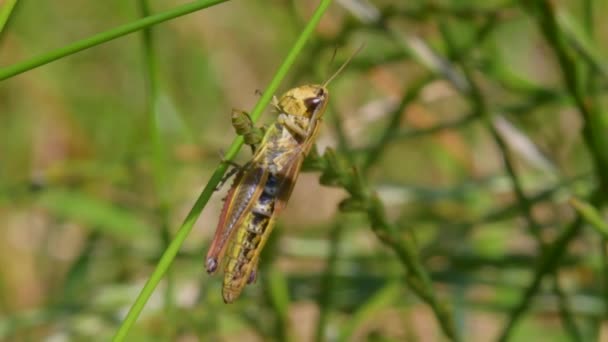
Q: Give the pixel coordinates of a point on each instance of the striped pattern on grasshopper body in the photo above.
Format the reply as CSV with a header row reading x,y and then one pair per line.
x,y
263,186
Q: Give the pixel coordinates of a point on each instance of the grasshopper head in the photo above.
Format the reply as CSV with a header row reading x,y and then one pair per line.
x,y
307,103
304,101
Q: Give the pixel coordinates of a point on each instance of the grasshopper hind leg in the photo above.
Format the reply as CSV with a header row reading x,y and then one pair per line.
x,y
236,168
226,177
253,275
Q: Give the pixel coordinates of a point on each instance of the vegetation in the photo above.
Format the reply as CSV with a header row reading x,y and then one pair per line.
x,y
458,193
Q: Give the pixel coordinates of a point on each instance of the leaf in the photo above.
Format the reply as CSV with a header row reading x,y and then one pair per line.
x,y
94,213
591,215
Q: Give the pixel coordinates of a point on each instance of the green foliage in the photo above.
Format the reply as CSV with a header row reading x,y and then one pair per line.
x,y
469,150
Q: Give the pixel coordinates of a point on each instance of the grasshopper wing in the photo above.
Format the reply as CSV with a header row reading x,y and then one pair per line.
x,y
289,175
245,191
235,281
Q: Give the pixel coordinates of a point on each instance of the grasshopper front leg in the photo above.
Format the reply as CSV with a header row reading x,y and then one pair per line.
x,y
243,125
290,123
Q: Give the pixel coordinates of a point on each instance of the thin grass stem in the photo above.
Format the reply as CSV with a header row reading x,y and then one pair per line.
x,y
104,37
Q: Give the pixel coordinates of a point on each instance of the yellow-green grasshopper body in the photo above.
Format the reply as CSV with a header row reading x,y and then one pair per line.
x,y
262,187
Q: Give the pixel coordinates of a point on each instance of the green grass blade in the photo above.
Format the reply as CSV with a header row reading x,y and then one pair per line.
x,y
106,36
582,44
159,147
591,215
381,299
328,281
94,213
277,291
5,12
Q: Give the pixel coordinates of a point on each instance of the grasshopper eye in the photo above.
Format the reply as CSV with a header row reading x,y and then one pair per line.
x,y
311,103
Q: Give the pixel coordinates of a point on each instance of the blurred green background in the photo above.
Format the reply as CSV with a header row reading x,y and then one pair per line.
x,y
474,122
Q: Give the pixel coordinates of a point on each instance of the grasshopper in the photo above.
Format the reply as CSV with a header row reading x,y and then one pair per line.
x,y
262,187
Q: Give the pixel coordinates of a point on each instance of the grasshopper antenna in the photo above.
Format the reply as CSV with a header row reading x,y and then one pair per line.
x,y
331,78
333,57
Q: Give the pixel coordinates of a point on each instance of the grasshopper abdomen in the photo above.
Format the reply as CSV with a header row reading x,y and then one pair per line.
x,y
245,248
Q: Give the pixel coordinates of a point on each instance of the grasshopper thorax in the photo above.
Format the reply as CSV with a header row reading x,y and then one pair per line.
x,y
305,101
